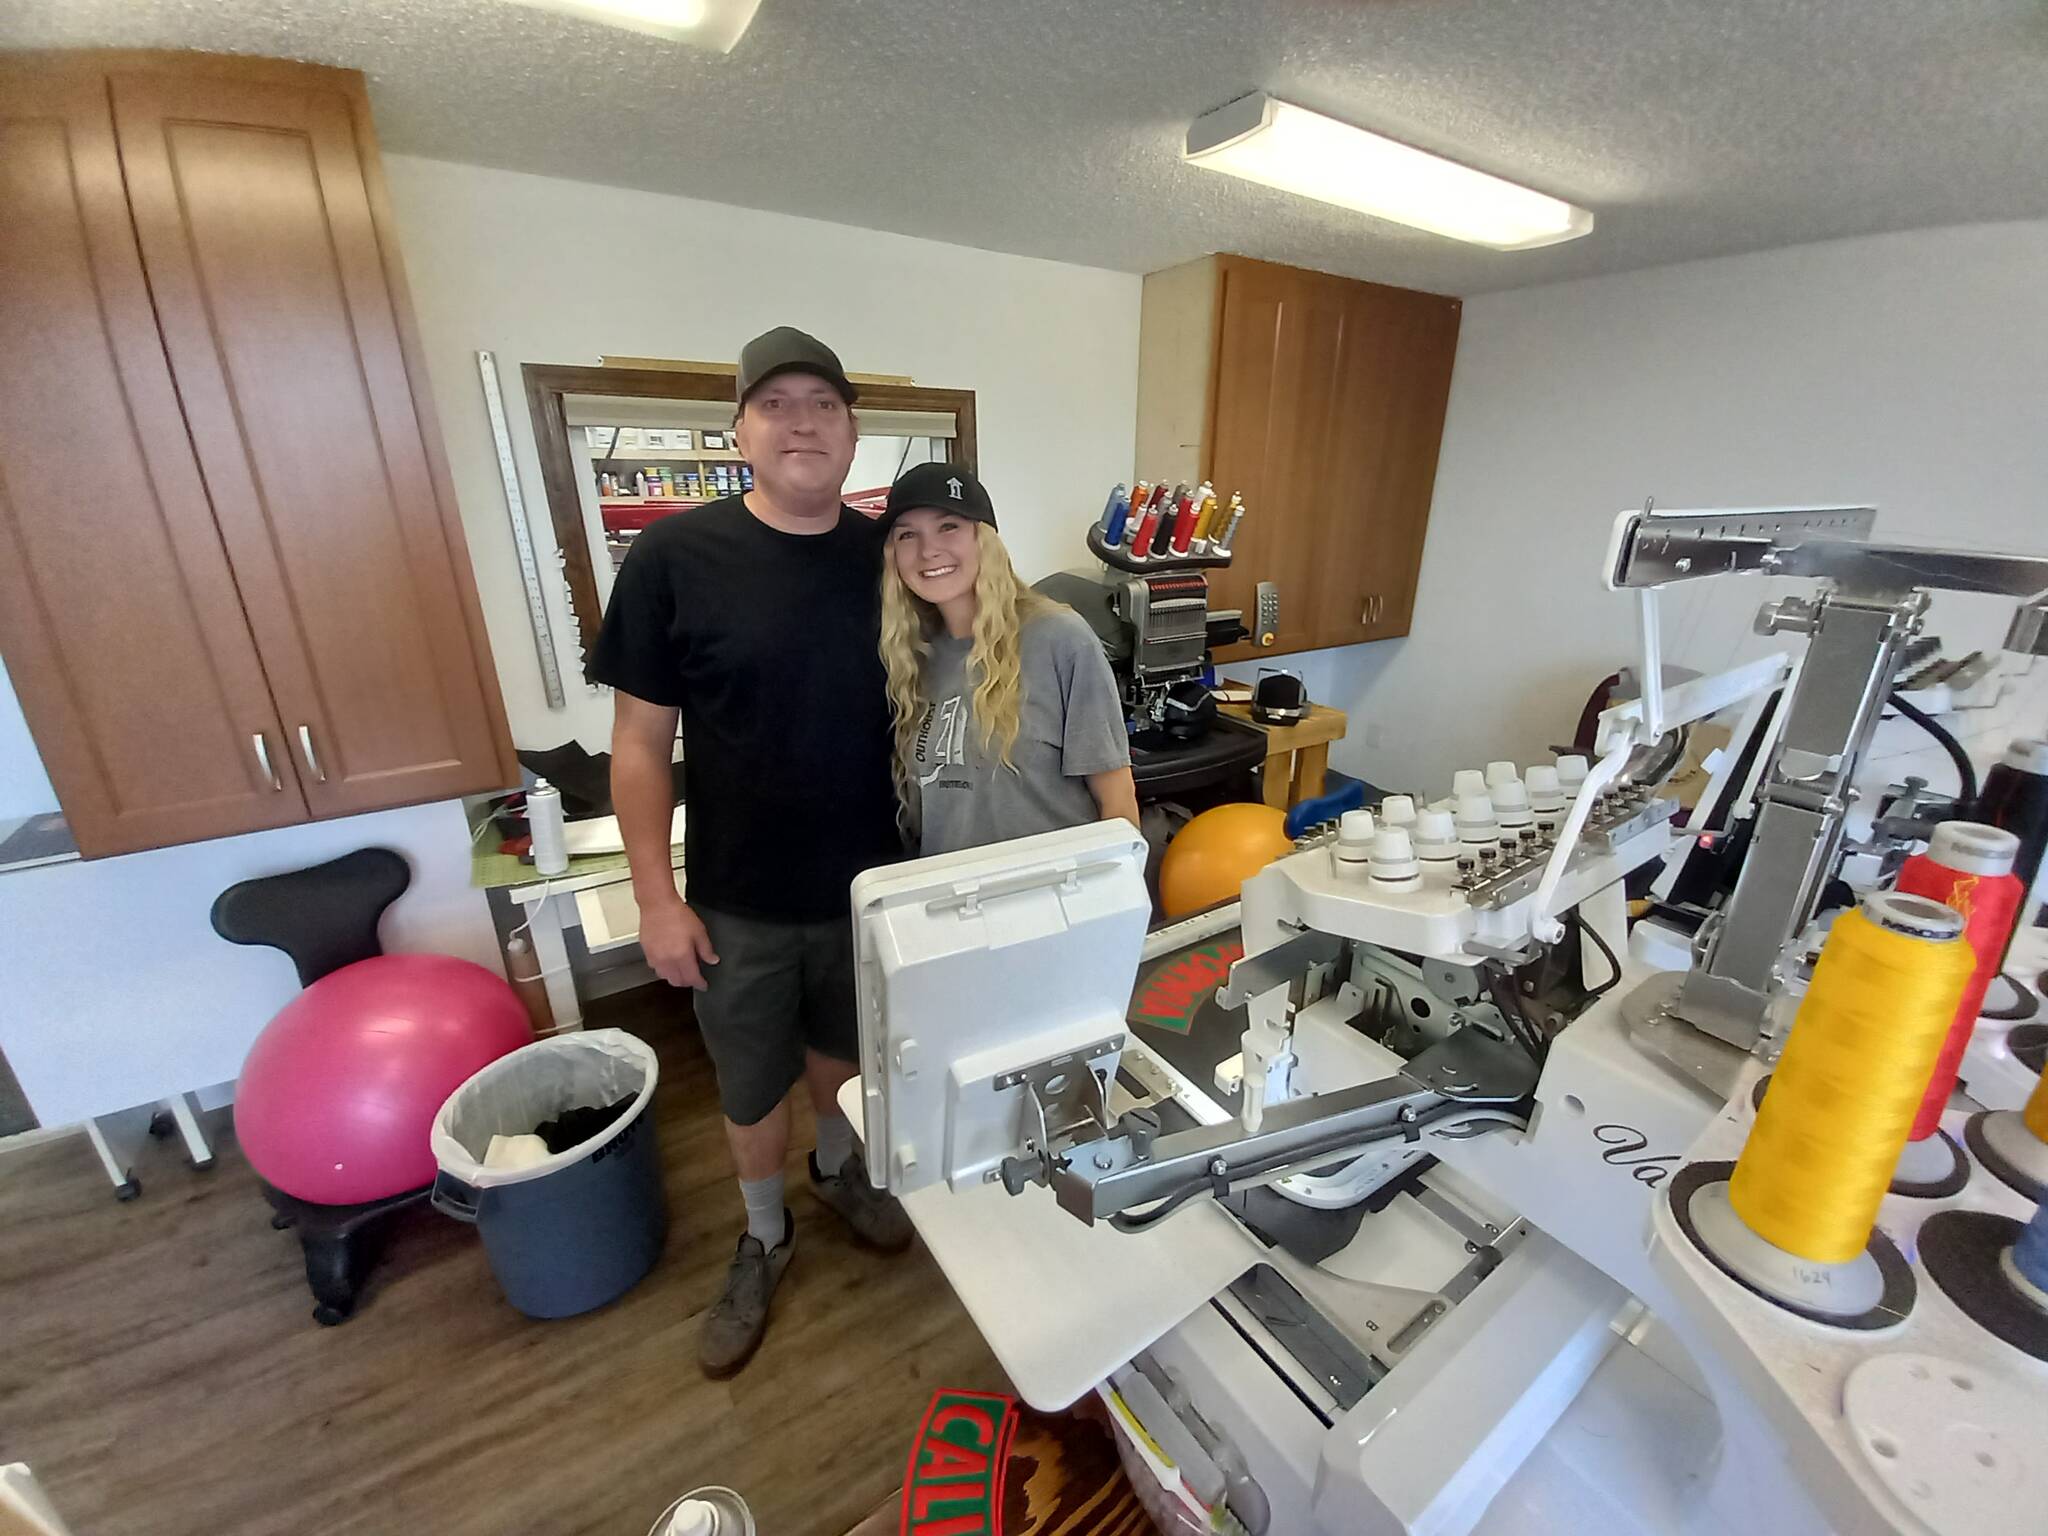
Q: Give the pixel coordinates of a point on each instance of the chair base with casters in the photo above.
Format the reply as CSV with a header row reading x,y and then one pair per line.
x,y
117,1138
341,1244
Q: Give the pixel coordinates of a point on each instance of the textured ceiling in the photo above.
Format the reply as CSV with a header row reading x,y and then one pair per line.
x,y
1053,127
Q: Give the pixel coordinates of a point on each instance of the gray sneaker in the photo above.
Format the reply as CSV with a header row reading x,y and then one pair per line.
x,y
734,1326
874,1215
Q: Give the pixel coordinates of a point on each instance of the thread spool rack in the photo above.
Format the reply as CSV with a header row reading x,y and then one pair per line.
x,y
1931,1420
1120,558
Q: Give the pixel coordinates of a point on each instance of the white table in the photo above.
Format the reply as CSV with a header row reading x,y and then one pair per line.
x,y
601,904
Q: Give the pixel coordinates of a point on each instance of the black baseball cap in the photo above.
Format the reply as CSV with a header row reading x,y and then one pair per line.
x,y
789,350
941,488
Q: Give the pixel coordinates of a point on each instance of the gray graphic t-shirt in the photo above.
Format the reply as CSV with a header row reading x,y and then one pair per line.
x,y
1071,725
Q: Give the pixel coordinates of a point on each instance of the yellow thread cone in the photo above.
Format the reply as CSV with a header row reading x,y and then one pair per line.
x,y
1843,1097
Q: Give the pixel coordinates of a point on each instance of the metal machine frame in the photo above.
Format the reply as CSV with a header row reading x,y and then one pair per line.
x,y
1858,629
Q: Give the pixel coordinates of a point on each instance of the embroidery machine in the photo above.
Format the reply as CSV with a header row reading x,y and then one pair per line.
x,y
1400,1252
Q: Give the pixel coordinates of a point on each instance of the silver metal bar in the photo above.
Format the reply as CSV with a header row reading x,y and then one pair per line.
x,y
1853,658
1829,543
1104,1177
1340,1367
1892,570
1277,967
1660,547
263,761
522,536
312,758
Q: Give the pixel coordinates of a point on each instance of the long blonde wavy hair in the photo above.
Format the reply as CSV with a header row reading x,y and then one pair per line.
x,y
1003,606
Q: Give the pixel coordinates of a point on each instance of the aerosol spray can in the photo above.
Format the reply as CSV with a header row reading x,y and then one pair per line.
x,y
544,824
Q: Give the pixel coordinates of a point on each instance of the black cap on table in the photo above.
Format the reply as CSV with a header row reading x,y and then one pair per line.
x,y
940,488
789,350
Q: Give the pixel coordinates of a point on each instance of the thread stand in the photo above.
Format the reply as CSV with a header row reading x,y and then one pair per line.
x,y
2000,1140
1939,1434
1969,1255
1874,1290
1910,1441
1931,1169
2010,1000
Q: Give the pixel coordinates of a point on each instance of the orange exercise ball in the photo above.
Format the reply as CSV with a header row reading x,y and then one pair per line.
x,y
1213,855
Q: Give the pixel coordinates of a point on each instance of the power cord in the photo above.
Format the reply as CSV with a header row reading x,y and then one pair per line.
x,y
1933,727
1613,965
515,945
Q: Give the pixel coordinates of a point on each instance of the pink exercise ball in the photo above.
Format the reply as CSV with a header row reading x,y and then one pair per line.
x,y
339,1093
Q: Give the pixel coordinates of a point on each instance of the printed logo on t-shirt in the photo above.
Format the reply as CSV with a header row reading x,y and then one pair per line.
x,y
942,739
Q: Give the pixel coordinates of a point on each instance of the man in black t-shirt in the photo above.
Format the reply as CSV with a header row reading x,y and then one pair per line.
x,y
752,623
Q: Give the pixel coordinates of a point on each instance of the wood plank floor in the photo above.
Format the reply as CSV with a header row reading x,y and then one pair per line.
x,y
160,1371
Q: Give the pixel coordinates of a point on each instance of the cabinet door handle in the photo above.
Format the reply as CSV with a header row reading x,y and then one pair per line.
x,y
1371,615
312,757
263,761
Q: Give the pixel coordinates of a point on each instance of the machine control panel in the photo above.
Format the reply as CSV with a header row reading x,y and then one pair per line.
x,y
1266,629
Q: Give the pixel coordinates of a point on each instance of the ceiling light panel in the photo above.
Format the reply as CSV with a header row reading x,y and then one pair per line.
x,y
1277,144
713,24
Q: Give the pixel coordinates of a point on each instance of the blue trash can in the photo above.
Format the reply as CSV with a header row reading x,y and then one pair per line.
x,y
584,1225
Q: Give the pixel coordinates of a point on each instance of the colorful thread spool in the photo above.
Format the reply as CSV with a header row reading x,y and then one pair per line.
x,y
1856,1066
2015,798
1967,866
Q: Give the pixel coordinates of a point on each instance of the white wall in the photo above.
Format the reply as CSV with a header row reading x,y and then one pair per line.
x,y
24,787
547,271
1909,371
117,991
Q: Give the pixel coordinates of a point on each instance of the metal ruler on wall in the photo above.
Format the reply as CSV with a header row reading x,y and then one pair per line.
x,y
522,536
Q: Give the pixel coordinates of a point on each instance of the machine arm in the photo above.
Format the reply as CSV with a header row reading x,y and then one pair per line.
x,y
1461,1077
1857,629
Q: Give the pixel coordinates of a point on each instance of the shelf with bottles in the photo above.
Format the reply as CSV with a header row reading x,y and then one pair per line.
x,y
691,486
667,455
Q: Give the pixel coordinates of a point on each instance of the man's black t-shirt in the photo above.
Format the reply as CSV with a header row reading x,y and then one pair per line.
x,y
766,643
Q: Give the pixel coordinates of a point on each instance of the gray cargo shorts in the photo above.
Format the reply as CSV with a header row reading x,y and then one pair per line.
x,y
778,988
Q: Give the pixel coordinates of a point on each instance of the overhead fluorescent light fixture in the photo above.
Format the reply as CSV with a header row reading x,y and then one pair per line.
x,y
713,24
1281,145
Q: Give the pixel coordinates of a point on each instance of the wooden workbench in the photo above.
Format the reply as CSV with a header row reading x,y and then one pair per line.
x,y
1297,756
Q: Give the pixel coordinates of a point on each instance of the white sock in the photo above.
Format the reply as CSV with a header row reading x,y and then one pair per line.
x,y
764,1209
835,1143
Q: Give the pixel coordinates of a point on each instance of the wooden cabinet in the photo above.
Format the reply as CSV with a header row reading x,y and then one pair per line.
x,y
238,595
1321,399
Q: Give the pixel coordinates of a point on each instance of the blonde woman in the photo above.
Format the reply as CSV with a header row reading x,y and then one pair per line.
x,y
1007,717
